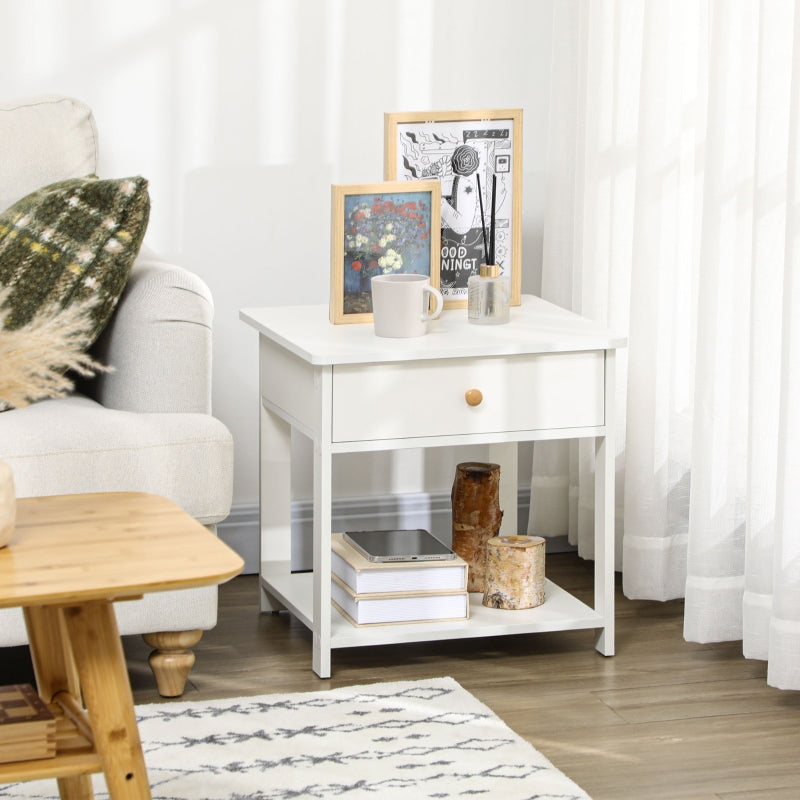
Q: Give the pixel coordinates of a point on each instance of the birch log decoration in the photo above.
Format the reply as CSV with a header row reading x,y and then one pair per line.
x,y
476,516
514,572
8,504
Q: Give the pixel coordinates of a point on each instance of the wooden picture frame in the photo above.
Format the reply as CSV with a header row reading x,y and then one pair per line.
x,y
423,144
378,229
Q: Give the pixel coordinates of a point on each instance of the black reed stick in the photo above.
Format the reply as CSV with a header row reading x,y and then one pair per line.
x,y
483,221
491,232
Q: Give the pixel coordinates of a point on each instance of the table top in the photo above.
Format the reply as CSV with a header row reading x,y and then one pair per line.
x,y
72,548
536,326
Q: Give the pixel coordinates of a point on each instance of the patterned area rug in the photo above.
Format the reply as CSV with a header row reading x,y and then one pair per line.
x,y
414,739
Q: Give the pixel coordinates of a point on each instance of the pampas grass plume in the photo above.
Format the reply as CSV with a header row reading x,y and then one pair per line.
x,y
35,358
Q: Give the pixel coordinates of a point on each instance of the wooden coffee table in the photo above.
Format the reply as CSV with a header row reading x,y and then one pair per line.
x,y
70,558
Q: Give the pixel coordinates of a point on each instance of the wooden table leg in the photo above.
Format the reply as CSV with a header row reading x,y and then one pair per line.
x,y
76,787
106,689
54,667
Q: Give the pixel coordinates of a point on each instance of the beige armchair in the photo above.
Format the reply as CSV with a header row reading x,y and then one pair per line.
x,y
146,426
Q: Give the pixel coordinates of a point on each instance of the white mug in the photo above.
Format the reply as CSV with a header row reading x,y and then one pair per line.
x,y
400,305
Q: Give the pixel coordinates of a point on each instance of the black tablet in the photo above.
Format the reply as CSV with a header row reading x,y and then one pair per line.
x,y
399,545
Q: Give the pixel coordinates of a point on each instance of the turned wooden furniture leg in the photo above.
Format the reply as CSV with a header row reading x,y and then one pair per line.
x,y
172,659
107,691
54,667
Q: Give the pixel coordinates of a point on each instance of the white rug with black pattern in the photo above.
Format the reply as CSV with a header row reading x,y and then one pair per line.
x,y
413,739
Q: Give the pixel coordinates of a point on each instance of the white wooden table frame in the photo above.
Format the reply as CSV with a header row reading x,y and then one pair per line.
x,y
548,374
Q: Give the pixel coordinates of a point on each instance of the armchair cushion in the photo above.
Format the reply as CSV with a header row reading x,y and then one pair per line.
x,y
73,444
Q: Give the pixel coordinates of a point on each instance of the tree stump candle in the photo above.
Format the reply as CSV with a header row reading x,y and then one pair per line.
x,y
514,572
476,516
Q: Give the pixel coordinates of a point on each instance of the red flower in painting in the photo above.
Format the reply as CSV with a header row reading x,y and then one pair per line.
x,y
356,265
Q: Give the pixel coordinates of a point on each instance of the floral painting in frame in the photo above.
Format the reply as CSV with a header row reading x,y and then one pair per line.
x,y
384,228
469,152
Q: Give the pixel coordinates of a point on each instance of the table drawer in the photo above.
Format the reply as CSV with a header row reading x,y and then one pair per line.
x,y
428,398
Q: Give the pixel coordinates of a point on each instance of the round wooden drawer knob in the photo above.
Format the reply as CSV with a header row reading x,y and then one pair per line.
x,y
473,397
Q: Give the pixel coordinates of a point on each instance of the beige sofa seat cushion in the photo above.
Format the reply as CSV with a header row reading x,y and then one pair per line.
x,y
73,444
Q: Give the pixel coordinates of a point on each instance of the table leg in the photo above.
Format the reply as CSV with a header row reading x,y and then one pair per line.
x,y
76,787
54,667
103,675
275,498
323,475
53,663
604,528
323,497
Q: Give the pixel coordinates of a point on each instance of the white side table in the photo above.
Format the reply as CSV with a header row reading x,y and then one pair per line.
x,y
548,374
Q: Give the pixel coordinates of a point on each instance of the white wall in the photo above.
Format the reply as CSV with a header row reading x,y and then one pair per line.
x,y
242,113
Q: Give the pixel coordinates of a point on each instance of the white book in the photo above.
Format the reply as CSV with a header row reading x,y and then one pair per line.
x,y
383,608
363,576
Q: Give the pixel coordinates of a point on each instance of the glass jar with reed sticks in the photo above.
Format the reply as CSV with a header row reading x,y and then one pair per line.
x,y
488,292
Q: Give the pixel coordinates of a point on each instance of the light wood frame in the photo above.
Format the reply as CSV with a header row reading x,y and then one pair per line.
x,y
409,228
435,136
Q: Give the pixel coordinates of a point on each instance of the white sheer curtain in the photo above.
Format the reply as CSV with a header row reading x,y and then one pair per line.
x,y
673,214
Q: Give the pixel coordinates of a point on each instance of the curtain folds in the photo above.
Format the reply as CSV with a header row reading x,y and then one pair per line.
x,y
673,214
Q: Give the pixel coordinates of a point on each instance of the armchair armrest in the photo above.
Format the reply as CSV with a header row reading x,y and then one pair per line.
x,y
158,342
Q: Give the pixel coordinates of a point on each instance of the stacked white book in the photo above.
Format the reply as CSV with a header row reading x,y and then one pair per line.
x,y
373,593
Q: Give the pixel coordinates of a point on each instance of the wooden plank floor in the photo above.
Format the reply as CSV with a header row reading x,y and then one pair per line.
x,y
662,720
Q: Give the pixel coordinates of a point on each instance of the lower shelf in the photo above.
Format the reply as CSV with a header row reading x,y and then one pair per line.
x,y
560,611
75,755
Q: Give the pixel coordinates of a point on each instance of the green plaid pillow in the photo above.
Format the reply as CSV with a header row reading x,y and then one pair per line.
x,y
71,241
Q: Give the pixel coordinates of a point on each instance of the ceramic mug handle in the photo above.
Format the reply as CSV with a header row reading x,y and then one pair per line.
x,y
439,303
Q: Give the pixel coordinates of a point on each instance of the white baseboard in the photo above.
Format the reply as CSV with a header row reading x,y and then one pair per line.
x,y
430,511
